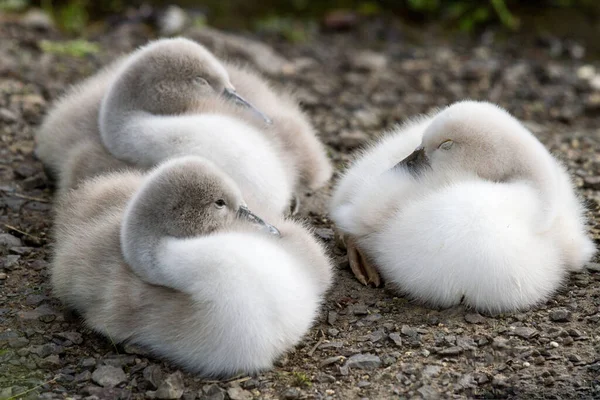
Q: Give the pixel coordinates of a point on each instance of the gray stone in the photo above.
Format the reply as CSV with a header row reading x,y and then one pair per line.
x,y
74,337
368,60
364,361
131,348
409,331
475,318
45,350
237,393
153,374
37,19
432,371
119,360
360,309
324,233
108,376
395,337
19,342
7,115
593,267
376,336
560,315
466,342
83,376
88,363
10,261
172,387
8,240
451,351
331,317
525,332
44,313
172,21
52,361
332,345
428,392
21,250
212,392
35,299
500,380
331,360
291,393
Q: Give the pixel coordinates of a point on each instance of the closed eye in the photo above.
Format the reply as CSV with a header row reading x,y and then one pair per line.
x,y
446,145
201,81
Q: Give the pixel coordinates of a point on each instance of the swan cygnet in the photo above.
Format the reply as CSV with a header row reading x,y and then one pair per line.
x,y
71,146
480,213
68,142
174,262
166,101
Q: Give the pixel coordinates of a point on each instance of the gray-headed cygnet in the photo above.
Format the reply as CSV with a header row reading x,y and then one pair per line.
x,y
465,205
173,97
174,261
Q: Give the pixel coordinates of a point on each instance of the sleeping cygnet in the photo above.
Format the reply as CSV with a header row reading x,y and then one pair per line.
x,y
479,213
173,97
175,262
165,102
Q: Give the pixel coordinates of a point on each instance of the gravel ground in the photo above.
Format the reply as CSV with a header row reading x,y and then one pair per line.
x,y
367,343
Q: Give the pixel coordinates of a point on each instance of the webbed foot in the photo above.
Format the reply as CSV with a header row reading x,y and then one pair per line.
x,y
363,269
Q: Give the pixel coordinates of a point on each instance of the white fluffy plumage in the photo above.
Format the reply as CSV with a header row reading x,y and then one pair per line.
x,y
491,221
221,303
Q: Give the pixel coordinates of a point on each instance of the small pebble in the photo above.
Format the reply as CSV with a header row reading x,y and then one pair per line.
x,y
171,388
108,376
560,315
395,337
237,393
475,318
364,361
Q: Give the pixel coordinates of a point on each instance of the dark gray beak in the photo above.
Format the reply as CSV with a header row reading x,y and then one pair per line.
x,y
416,162
245,213
232,95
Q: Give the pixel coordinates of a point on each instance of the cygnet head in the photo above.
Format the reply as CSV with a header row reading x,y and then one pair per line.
x,y
170,76
481,139
186,197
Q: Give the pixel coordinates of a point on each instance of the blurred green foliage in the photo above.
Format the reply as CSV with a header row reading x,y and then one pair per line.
x,y
294,19
13,5
75,48
71,16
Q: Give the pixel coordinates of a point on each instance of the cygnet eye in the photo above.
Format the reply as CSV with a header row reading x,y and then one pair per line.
x,y
220,203
201,81
446,145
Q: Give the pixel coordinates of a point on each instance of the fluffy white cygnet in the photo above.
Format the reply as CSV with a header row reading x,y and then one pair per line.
x,y
479,213
175,262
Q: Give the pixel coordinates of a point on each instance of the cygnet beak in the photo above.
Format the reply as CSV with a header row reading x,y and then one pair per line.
x,y
244,213
231,94
416,162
